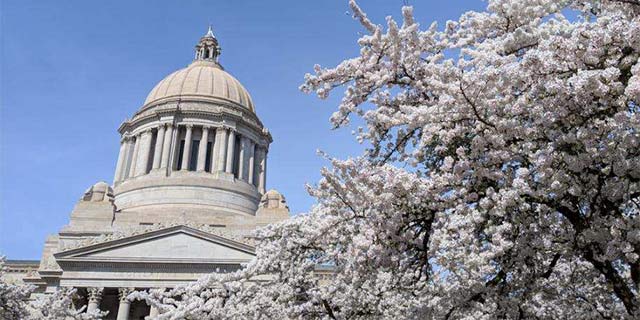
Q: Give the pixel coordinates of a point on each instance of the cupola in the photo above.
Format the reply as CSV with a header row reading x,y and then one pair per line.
x,y
208,48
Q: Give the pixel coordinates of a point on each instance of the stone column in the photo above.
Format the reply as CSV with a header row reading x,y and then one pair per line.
x,y
262,178
95,296
243,159
187,148
126,161
257,167
231,142
153,312
166,148
157,153
143,153
202,149
252,154
219,150
121,158
134,156
125,304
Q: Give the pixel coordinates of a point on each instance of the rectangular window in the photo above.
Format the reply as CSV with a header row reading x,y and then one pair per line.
x,y
193,158
152,151
256,165
180,152
236,158
207,162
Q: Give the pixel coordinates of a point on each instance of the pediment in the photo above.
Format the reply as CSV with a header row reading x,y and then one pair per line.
x,y
179,244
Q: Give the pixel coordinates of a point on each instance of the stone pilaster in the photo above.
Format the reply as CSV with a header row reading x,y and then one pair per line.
x,y
95,296
202,149
125,305
157,153
219,150
166,148
231,143
187,148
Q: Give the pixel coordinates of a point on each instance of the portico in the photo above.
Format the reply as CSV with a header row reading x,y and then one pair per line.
x,y
161,258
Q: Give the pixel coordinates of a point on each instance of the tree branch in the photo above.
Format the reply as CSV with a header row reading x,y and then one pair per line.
x,y
328,308
475,109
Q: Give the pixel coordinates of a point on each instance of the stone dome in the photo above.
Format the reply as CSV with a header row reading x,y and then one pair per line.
x,y
204,81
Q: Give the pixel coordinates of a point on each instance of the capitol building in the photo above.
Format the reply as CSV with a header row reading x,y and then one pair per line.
x,y
190,187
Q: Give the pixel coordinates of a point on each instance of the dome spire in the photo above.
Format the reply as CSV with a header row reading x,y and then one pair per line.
x,y
210,33
208,48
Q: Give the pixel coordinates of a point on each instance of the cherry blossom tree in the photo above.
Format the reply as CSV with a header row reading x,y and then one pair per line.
x,y
501,177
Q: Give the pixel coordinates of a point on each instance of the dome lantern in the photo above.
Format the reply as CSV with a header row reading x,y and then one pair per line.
x,y
208,48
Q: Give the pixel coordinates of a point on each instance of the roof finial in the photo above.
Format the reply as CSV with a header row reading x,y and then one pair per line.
x,y
210,32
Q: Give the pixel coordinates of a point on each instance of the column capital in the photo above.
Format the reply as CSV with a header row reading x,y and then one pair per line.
x,y
189,126
123,293
95,294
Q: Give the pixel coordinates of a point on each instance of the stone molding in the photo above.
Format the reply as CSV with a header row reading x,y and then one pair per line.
x,y
188,178
197,109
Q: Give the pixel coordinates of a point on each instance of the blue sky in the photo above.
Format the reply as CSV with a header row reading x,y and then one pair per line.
x,y
72,71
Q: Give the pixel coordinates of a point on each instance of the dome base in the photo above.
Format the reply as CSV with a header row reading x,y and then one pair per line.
x,y
186,190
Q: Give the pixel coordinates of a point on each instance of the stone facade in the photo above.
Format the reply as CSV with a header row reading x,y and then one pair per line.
x,y
188,190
